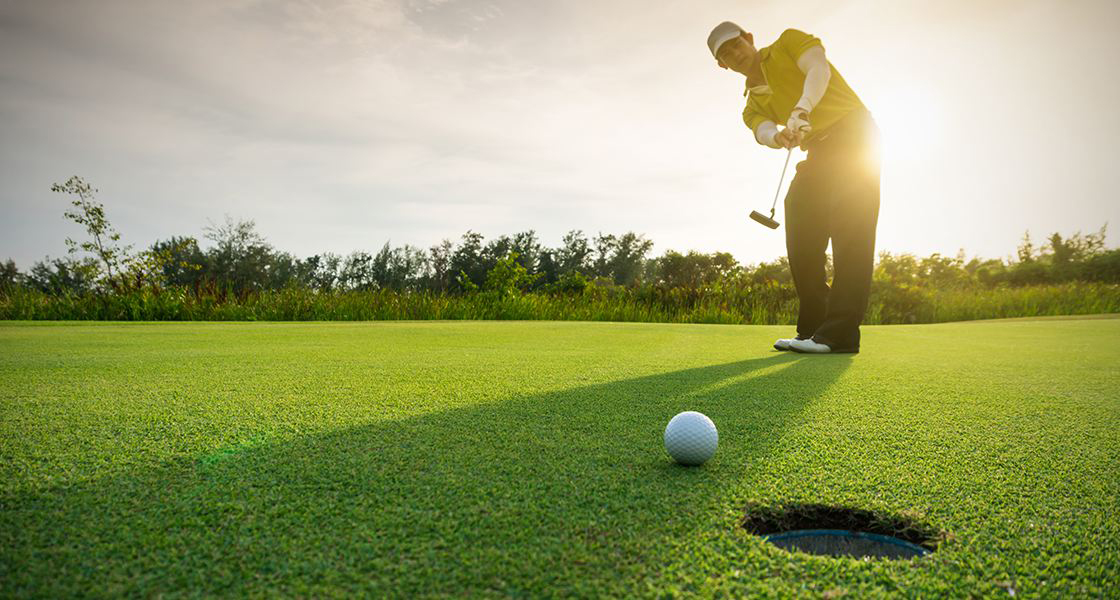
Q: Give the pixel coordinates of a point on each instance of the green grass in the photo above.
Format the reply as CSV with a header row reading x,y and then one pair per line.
x,y
525,458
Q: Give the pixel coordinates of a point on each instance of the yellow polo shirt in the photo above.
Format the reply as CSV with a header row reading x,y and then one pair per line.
x,y
786,83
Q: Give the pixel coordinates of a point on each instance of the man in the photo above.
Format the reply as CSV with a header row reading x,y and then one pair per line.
x,y
835,193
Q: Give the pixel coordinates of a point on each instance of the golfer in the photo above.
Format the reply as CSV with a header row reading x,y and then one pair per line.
x,y
795,97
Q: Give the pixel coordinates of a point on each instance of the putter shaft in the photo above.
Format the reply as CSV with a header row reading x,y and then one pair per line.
x,y
769,221
780,180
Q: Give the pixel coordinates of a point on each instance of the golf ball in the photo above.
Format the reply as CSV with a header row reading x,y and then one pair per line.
x,y
691,438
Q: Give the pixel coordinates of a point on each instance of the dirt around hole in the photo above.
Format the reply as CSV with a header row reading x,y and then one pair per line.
x,y
842,531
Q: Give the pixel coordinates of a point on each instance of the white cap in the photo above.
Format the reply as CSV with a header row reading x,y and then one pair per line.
x,y
723,32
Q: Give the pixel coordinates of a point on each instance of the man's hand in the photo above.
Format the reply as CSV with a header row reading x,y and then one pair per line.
x,y
786,138
795,130
799,121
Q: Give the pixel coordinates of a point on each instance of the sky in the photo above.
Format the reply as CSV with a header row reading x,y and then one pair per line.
x,y
340,126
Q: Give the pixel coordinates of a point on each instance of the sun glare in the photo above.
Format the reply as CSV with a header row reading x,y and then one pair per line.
x,y
910,116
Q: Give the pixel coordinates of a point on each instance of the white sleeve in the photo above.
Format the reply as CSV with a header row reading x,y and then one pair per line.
x,y
817,73
766,134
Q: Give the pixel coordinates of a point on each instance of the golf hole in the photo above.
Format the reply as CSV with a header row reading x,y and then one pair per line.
x,y
840,531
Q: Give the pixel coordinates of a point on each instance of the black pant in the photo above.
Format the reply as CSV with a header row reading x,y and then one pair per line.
x,y
835,194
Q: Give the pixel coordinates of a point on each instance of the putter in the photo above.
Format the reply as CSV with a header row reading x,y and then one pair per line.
x,y
769,221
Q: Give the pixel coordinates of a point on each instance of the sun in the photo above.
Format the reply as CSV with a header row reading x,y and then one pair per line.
x,y
910,116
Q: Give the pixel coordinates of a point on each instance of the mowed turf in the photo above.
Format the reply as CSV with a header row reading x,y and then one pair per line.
x,y
398,459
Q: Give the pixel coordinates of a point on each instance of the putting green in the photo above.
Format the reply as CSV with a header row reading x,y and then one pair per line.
x,y
525,458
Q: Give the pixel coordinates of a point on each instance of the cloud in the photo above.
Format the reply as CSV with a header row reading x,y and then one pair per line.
x,y
334,123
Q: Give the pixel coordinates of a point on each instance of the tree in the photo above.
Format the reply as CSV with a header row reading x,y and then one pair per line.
x,y
149,268
90,214
898,269
64,275
693,270
1103,267
10,276
182,263
724,265
357,272
234,238
943,272
630,252
987,272
547,267
410,267
1026,249
605,248
1069,256
528,250
494,251
240,258
771,272
508,277
440,262
574,255
674,269
395,268
467,261
320,272
282,269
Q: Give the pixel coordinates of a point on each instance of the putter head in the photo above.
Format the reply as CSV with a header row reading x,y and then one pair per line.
x,y
765,220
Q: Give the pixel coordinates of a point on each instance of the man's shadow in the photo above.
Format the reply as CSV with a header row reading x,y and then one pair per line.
x,y
575,482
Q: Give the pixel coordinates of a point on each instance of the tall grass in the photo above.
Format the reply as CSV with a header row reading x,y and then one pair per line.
x,y
892,304
763,304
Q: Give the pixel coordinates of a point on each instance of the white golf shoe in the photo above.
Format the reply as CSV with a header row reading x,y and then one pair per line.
x,y
809,347
783,344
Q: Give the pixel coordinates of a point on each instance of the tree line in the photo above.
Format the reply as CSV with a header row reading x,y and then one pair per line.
x,y
238,260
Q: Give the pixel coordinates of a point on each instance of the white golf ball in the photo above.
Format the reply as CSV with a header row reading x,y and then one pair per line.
x,y
691,438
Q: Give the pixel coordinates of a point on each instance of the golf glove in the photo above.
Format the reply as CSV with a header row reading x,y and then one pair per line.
x,y
799,121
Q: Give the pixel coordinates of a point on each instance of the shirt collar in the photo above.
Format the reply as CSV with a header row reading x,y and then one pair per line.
x,y
763,54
